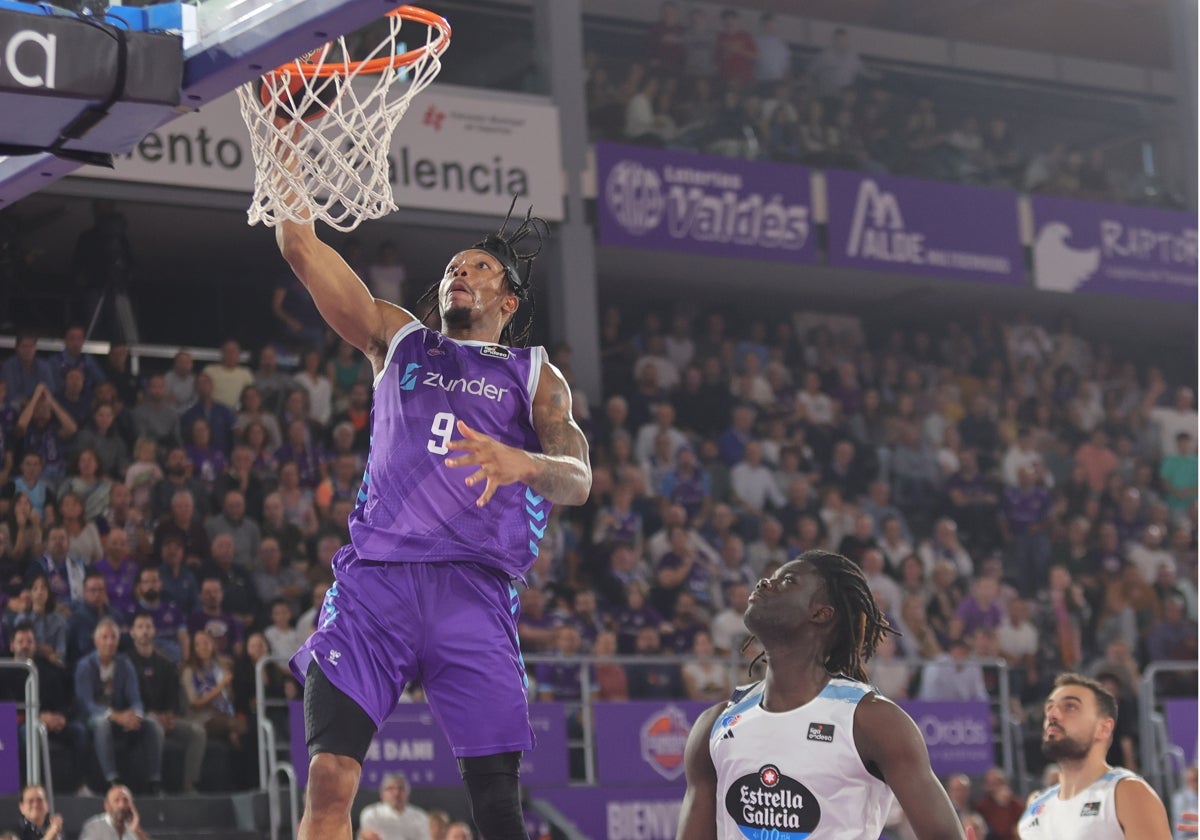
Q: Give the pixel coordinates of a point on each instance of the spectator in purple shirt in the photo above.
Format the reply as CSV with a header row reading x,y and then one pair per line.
x,y
636,615
981,607
170,622
1027,508
119,570
559,681
226,631
973,503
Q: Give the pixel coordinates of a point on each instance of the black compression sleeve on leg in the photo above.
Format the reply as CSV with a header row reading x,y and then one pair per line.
x,y
333,722
493,785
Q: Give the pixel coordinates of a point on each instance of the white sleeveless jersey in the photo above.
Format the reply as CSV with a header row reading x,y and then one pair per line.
x,y
797,774
1089,815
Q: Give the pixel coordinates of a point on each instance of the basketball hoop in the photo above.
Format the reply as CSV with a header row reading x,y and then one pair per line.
x,y
321,126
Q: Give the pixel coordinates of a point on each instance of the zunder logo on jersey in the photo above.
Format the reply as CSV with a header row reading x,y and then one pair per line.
x,y
770,804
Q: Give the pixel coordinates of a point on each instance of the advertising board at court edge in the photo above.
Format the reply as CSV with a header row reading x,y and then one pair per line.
x,y
457,149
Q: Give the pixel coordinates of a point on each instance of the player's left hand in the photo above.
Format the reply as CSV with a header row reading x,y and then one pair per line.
x,y
498,463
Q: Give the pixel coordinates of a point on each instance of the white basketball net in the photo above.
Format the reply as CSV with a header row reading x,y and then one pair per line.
x,y
333,167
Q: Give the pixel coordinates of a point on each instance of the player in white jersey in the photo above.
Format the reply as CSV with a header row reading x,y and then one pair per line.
x,y
1092,801
811,751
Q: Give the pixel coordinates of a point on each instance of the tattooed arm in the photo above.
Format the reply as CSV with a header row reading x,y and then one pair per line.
x,y
560,472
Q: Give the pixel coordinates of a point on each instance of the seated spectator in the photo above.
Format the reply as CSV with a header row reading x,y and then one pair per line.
x,y
1172,637
110,703
283,636
87,614
143,474
652,680
24,537
273,580
83,537
233,522
944,546
120,820
49,626
1000,808
119,570
183,521
158,683
88,481
393,817
178,581
206,689
207,461
340,485
102,436
536,626
229,376
298,507
36,821
317,385
890,674
612,685
705,678
981,608
1018,641
635,614
225,631
169,619
218,417
156,416
958,788
181,382
45,427
240,597
858,541
559,681
953,676
54,708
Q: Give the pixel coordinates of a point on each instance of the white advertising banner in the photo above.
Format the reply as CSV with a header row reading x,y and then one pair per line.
x,y
457,149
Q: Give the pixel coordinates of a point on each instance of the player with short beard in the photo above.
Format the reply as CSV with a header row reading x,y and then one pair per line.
x,y
1092,801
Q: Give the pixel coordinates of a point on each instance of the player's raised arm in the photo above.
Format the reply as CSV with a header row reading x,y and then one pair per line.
x,y
698,815
341,297
562,472
888,738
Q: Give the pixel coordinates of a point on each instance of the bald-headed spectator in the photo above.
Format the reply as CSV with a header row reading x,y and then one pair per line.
x,y
393,817
110,703
120,820
183,522
229,376
233,522
36,822
240,598
220,417
228,634
274,579
156,416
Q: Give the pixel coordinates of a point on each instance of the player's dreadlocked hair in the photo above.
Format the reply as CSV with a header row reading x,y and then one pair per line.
x,y
518,266
860,625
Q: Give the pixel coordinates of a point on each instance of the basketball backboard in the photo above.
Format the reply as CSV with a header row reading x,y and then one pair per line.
x,y
233,41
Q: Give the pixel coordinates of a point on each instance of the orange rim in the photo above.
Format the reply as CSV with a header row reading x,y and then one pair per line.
x,y
380,65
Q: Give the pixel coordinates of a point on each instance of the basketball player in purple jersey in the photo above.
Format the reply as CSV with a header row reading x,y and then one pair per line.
x,y
426,590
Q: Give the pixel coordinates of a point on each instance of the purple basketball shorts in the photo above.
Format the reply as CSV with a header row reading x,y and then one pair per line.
x,y
451,626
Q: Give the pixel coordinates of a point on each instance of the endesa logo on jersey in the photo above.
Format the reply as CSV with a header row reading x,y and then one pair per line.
x,y
821,732
770,804
433,379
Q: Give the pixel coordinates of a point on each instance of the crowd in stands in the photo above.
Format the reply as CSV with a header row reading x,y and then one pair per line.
x,y
717,87
1009,491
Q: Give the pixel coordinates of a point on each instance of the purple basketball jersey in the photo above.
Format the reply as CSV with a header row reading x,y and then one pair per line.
x,y
412,507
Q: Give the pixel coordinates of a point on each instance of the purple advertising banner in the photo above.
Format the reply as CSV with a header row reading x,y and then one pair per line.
x,y
883,223
10,750
1081,246
701,204
618,813
642,741
1181,725
958,734
411,741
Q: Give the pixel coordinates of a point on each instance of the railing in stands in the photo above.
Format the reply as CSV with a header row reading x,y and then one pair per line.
x,y
269,765
1157,750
